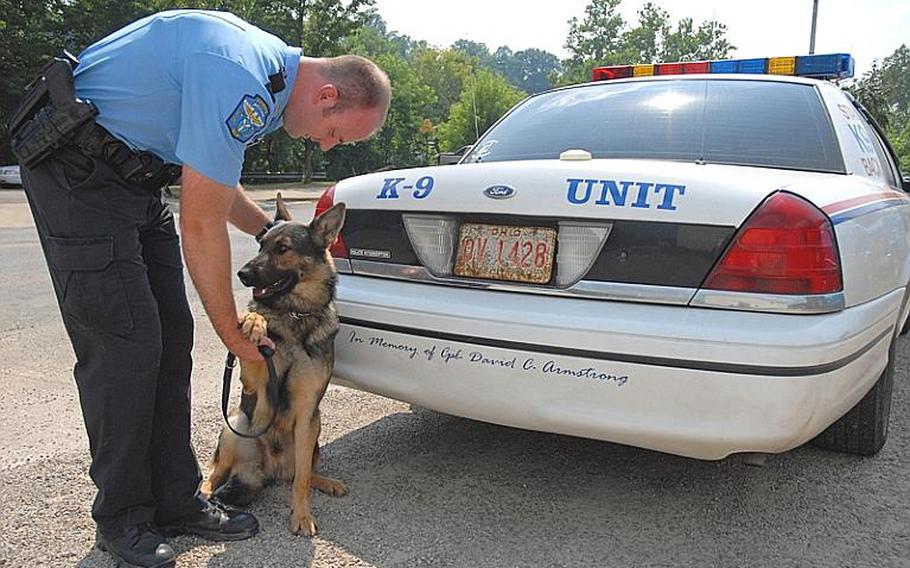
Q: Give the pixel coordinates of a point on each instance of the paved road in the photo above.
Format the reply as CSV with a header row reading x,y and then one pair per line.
x,y
433,490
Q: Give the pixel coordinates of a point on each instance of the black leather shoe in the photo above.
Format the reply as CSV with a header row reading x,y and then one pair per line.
x,y
137,546
215,521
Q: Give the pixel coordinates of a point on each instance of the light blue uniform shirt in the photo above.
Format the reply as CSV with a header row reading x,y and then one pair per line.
x,y
189,86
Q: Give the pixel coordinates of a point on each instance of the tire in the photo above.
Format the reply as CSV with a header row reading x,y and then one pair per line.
x,y
864,428
906,327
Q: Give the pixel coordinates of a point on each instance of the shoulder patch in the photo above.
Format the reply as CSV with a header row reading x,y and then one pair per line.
x,y
249,118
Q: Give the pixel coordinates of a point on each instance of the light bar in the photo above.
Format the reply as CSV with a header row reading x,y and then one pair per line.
x,y
828,66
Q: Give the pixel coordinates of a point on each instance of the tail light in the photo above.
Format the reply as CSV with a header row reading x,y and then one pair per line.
x,y
786,246
338,248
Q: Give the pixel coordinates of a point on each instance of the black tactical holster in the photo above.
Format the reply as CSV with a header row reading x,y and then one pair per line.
x,y
50,115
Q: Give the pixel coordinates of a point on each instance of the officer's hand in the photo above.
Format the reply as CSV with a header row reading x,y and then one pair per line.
x,y
243,348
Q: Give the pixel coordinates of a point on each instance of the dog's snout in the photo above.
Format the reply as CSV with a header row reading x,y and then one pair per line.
x,y
246,275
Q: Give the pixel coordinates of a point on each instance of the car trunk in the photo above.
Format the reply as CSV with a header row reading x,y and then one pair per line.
x,y
549,225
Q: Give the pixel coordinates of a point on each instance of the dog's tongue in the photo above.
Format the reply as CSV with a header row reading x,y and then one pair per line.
x,y
259,292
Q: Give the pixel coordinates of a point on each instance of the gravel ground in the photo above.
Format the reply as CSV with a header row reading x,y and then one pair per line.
x,y
432,490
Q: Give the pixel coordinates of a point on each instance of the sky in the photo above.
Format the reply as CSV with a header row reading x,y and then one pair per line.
x,y
866,29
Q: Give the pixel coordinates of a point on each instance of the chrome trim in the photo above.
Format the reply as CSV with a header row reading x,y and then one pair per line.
x,y
395,271
775,303
583,289
621,292
630,292
343,265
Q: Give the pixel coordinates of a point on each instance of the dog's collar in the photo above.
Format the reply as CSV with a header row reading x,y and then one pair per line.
x,y
299,316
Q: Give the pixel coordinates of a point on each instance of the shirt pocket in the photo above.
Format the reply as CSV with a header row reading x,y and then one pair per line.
x,y
92,294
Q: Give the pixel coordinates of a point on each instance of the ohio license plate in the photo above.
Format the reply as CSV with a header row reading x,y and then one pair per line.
x,y
505,252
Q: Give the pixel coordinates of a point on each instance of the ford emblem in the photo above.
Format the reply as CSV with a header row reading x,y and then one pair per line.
x,y
499,192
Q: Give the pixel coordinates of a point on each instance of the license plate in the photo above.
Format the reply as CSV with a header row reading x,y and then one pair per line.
x,y
505,252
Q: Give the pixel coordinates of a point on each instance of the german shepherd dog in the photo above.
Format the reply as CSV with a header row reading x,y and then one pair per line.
x,y
293,280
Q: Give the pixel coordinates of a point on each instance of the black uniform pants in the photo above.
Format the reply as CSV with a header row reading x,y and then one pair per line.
x,y
114,259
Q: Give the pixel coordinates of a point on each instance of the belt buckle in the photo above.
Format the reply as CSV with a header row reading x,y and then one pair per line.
x,y
135,166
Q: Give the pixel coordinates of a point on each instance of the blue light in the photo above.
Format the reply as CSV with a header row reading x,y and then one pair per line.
x,y
758,66
739,66
728,66
833,65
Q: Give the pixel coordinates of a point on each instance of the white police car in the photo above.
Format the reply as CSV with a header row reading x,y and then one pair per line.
x,y
9,175
697,258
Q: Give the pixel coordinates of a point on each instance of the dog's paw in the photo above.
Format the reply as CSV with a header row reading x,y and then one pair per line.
x,y
253,326
329,486
303,524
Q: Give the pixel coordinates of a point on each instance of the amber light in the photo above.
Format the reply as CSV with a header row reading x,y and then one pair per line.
x,y
782,66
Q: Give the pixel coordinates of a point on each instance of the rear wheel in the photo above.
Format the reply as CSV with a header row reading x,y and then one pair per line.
x,y
906,327
864,429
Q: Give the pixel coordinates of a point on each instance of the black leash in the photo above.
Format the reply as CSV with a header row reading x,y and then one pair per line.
x,y
272,390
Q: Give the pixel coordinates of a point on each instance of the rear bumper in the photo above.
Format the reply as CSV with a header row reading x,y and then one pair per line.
x,y
695,382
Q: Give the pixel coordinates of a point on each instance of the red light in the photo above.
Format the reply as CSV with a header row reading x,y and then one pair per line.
x,y
668,68
612,72
326,201
786,246
696,67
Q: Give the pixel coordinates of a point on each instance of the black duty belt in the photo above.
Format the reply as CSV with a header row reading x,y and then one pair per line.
x,y
141,168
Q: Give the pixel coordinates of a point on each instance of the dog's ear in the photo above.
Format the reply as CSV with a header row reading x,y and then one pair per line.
x,y
326,227
281,212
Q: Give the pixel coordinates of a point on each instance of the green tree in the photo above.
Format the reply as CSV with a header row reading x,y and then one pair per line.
x,y
688,43
885,92
486,96
871,92
598,37
643,42
603,38
900,140
398,143
530,70
445,72
27,40
479,50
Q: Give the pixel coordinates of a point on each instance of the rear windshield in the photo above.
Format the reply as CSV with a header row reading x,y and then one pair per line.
x,y
715,121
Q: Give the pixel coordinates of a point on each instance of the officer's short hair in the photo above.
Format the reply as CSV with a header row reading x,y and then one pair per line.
x,y
360,83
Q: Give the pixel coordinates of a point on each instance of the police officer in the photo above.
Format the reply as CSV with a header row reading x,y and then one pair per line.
x,y
191,89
